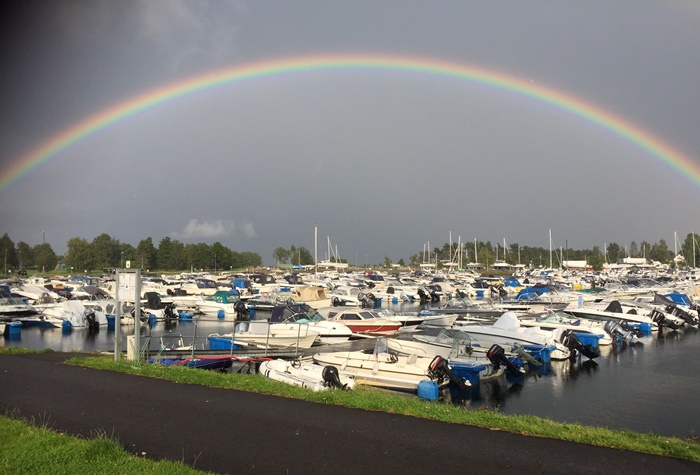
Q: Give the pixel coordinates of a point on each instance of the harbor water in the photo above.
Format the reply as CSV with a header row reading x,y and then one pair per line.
x,y
648,387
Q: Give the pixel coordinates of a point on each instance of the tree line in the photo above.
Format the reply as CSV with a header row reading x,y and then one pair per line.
x,y
486,254
105,252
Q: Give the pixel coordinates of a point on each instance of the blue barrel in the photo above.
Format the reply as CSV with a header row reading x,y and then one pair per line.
x,y
221,313
428,390
480,294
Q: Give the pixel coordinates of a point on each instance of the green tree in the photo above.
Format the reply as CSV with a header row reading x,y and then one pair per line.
x,y
645,247
165,255
596,261
306,258
44,257
146,254
25,256
690,249
7,248
79,256
220,256
614,252
634,250
250,259
197,255
281,255
106,251
660,252
127,253
387,262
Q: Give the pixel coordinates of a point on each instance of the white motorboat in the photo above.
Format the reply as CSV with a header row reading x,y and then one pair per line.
x,y
507,330
552,320
76,315
383,368
307,374
362,321
455,346
419,318
263,334
296,314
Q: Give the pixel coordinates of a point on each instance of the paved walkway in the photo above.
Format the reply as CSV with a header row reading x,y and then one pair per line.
x,y
235,432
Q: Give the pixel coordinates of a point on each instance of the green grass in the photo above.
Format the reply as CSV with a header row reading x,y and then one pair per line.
x,y
31,448
372,399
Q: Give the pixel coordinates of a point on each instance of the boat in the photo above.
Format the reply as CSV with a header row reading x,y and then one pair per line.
x,y
263,334
307,374
382,368
467,309
12,307
474,363
363,321
507,330
74,314
613,312
223,304
311,295
219,363
590,330
295,314
408,319
345,295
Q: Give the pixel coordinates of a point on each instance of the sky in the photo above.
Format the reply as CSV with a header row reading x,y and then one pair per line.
x,y
379,161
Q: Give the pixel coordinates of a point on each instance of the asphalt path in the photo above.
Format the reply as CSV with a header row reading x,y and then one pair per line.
x,y
236,432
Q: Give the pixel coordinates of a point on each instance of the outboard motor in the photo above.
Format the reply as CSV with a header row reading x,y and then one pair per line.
x,y
423,295
366,300
660,319
331,378
241,311
615,329
497,357
91,320
170,313
439,370
572,342
680,313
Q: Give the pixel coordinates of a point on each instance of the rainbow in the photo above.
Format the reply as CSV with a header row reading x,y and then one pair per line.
x,y
676,160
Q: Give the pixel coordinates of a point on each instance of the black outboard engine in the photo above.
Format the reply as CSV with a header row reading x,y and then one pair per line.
x,y
497,357
91,321
660,319
423,295
572,342
680,313
331,378
615,329
241,311
439,370
169,313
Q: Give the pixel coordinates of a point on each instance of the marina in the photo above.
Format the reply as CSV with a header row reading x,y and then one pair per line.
x,y
648,386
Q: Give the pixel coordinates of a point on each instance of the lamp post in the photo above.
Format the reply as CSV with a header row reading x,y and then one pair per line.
x,y
214,262
121,262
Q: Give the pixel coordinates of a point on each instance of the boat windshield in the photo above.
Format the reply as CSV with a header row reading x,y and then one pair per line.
x,y
305,317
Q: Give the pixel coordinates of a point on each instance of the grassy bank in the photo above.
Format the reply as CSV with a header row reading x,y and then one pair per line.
x,y
29,447
368,398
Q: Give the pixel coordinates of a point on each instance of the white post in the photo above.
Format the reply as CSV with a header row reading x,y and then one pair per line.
x,y
117,319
